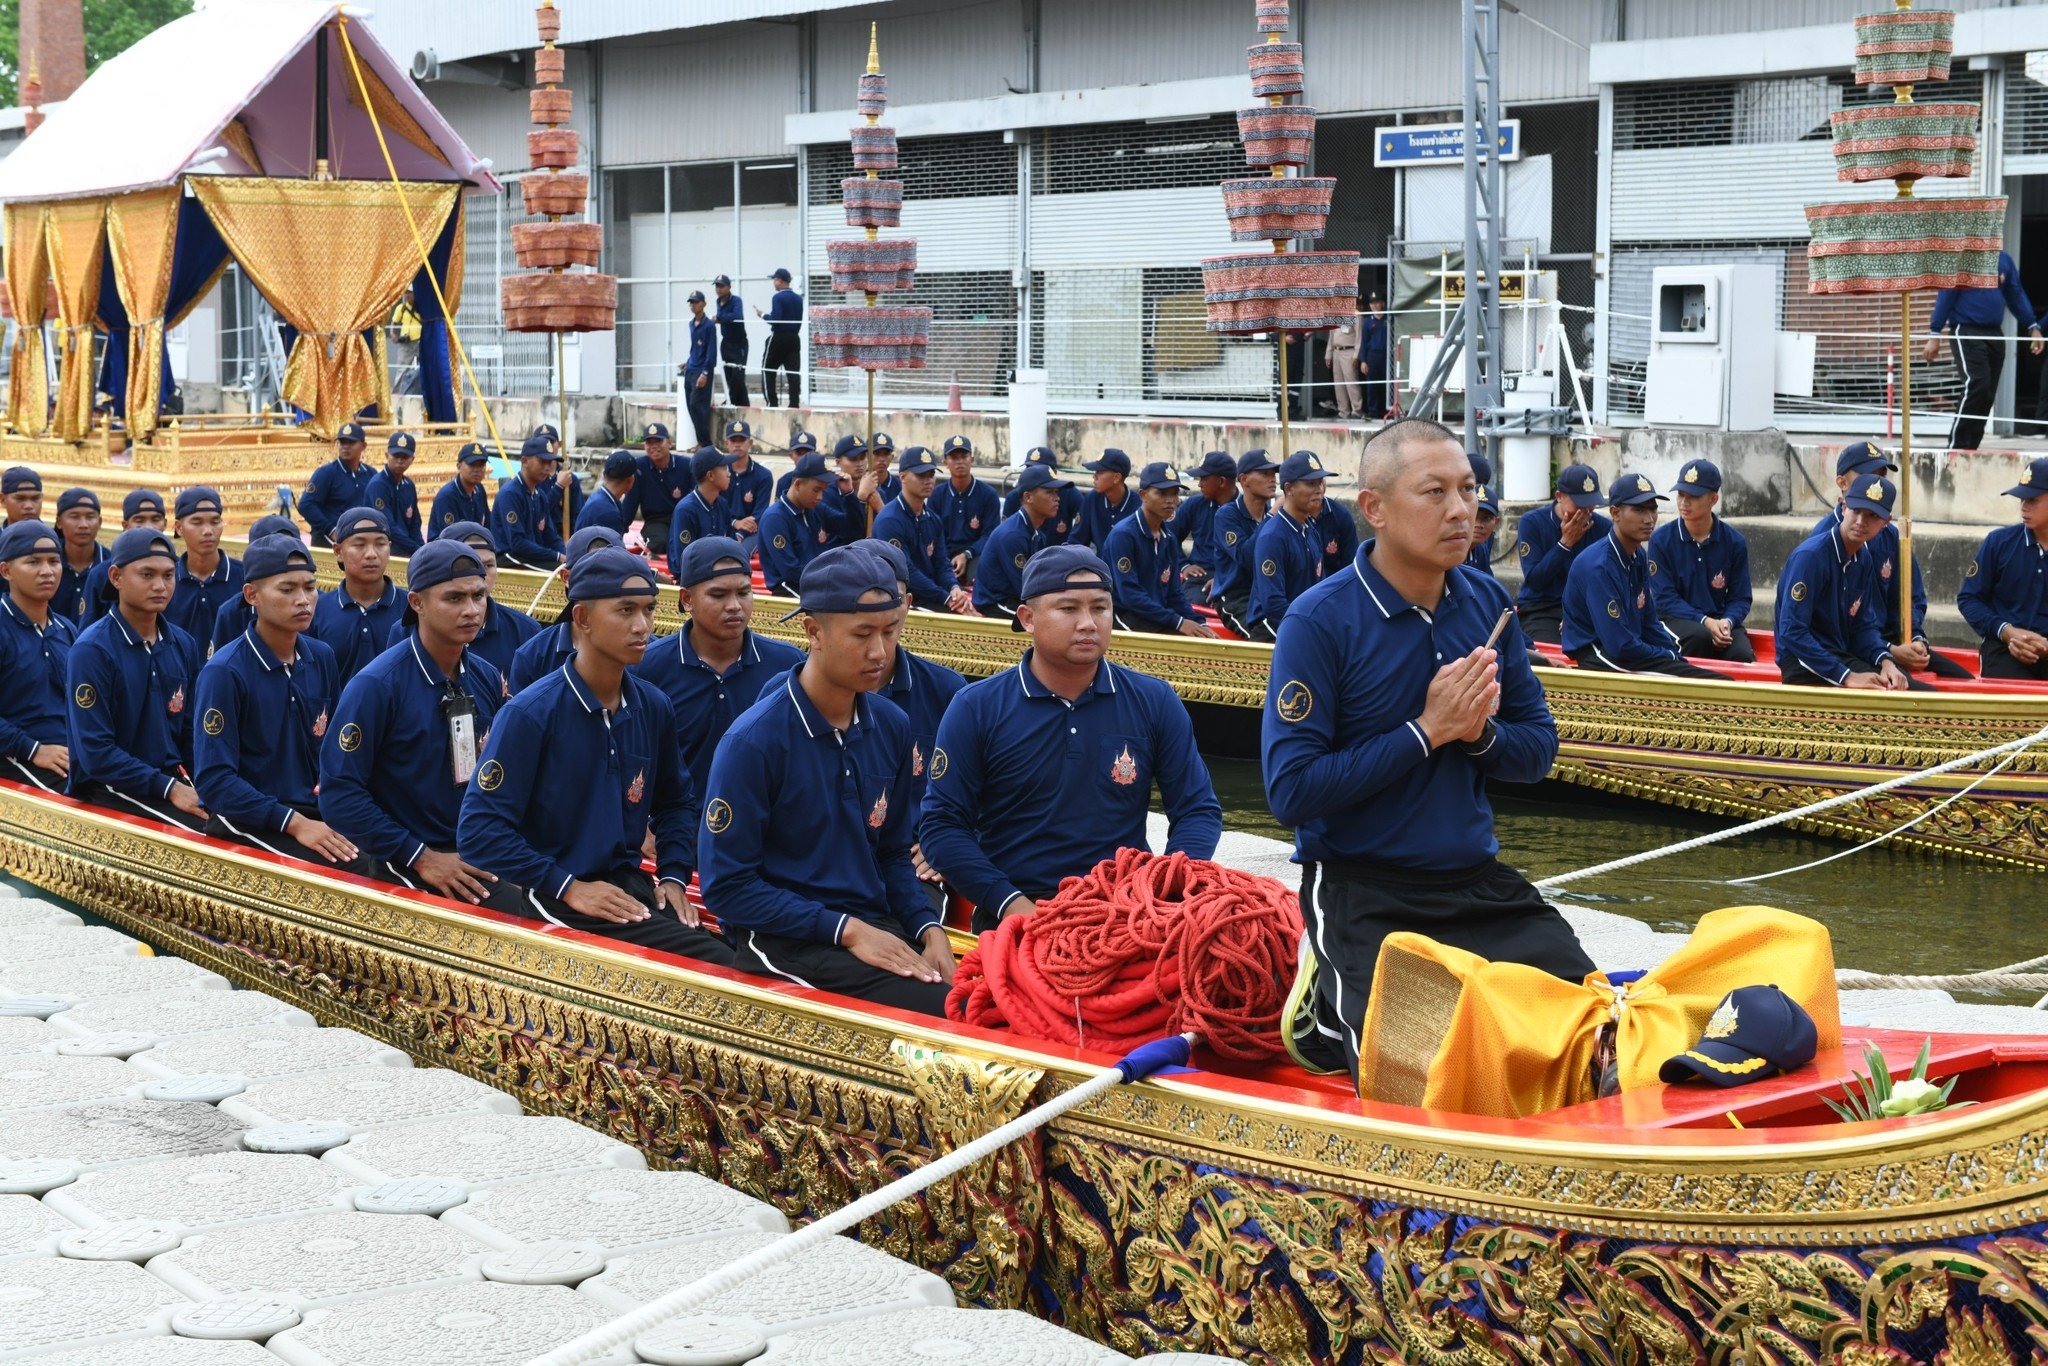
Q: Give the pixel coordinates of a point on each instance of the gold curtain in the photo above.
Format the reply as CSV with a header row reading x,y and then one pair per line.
x,y
76,231
142,235
332,256
28,281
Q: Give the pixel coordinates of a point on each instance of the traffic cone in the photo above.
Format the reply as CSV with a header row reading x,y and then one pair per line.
x,y
953,395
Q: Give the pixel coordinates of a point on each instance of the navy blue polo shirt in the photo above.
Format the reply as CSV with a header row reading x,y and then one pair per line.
x,y
523,523
1700,579
504,631
231,620
2007,584
969,518
707,702
1237,533
694,519
805,825
398,499
703,354
567,791
69,601
1194,525
541,655
195,602
1346,761
602,509
1480,557
1061,527
1097,515
999,577
333,490
357,634
1883,551
922,539
657,489
1145,574
387,781
1289,560
1546,560
1028,788
33,661
1608,607
97,598
455,504
130,721
1825,619
790,539
749,493
922,690
1337,529
256,754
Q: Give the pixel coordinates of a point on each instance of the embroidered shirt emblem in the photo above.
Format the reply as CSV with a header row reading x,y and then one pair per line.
x,y
880,813
1124,771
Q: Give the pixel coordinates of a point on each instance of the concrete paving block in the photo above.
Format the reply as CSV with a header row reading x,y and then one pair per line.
x,y
20,1033
30,1227
36,1081
481,1149
109,1133
321,1258
618,1211
95,979
211,1190
161,1352
178,1014
54,942
481,1324
1001,1337
369,1097
17,912
53,1302
264,1052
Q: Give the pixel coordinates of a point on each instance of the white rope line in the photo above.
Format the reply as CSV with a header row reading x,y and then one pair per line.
x,y
553,574
1991,980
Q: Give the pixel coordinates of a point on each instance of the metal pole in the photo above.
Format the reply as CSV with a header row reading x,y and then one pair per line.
x,y
1285,439
1905,567
562,416
1481,322
870,448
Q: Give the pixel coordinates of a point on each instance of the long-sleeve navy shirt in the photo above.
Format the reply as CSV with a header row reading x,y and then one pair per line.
x,y
1144,568
1194,525
805,825
523,523
2007,584
130,721
387,780
540,656
1346,761
33,661
732,328
693,520
1700,579
790,539
923,690
357,633
969,518
751,491
922,539
703,348
566,790
1984,307
1883,551
333,490
1608,607
1097,515
1290,561
69,602
505,630
999,577
454,503
785,312
657,489
398,499
256,754
602,509
195,602
705,701
1546,559
1337,529
1062,526
1028,788
1825,619
1237,533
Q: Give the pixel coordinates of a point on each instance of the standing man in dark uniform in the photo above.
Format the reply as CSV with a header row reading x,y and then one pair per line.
x,y
1611,621
1069,513
1826,622
1194,525
392,493
340,484
523,519
1237,531
697,367
1976,318
78,522
462,499
2005,590
356,620
1386,714
1702,580
784,351
35,647
999,587
966,507
1147,581
21,492
732,341
1372,356
1109,502
660,482
912,527
1547,539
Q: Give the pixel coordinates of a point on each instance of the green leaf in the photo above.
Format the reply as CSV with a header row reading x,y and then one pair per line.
x,y
1949,1086
1926,1055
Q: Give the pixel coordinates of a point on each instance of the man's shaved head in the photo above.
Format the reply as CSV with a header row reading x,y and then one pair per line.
x,y
1386,452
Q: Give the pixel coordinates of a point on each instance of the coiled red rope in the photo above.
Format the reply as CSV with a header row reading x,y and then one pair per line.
x,y
1142,945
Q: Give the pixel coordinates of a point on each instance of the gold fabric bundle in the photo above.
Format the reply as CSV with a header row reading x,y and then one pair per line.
x,y
76,232
28,282
1448,1030
142,235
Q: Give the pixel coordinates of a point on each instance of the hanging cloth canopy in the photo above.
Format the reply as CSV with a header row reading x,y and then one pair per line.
x,y
28,282
437,373
139,279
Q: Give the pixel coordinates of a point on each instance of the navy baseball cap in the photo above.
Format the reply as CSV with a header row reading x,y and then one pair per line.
x,y
197,499
1699,476
1216,465
142,543
591,538
1482,468
848,448
2036,482
1756,1032
1489,500
620,465
19,477
1254,462
1042,455
350,432
77,498
701,560
1581,484
916,460
882,442
539,446
802,441
400,443
1055,568
840,577
439,562
781,274
472,453
957,443
708,459
696,297
269,556
1302,465
610,573
273,525
892,555
1861,457
468,533
140,501
1633,490
1112,460
1872,493
738,428
810,465
1161,474
1041,477
725,280
28,538
656,431
547,429
361,522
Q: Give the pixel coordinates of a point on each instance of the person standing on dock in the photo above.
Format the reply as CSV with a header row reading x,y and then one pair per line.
x,y
340,484
697,367
1288,550
999,587
462,499
35,645
784,354
21,493
1857,461
1826,621
660,482
2005,590
1611,623
392,492
966,507
732,341
1973,320
1547,539
1388,709
1702,584
523,520
1237,531
1149,593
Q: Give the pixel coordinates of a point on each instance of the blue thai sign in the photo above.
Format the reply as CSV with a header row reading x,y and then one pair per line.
x,y
1423,144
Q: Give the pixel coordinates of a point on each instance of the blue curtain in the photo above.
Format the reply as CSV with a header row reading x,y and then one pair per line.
x,y
196,258
437,375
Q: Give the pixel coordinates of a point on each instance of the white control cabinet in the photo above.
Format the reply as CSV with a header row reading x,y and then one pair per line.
x,y
1713,347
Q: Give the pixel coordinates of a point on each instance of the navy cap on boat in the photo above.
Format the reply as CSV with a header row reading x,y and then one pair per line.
x,y
269,556
620,465
1698,477
539,447
1633,490
882,442
1042,455
1872,493
400,443
591,538
472,453
916,460
1302,465
1060,567
439,562
140,501
469,533
840,577
350,433
802,441
2036,482
1254,462
1216,465
1489,500
361,522
892,555
196,500
707,459
1581,485
1113,460
28,538
810,465
1861,457
610,573
1482,468
274,524
547,429
1755,1032
702,559
142,543
782,274
957,443
738,428
1041,477
19,478
849,448
656,431
1161,474
77,498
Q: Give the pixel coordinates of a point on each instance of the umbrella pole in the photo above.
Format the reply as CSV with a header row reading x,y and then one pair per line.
x,y
1905,568
562,416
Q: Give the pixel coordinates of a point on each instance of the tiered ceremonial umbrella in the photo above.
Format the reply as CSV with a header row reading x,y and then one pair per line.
x,y
1280,290
1898,245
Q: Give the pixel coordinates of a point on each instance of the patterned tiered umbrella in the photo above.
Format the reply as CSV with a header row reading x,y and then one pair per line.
x,y
1898,245
1280,290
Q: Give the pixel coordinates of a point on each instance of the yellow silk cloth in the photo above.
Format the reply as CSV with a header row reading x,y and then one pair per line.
x,y
142,237
1448,1030
76,232
28,282
332,256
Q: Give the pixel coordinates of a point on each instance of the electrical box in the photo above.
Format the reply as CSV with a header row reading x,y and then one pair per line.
x,y
1713,347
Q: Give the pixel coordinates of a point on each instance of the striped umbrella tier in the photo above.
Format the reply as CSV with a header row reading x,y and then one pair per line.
x,y
874,148
1905,141
1276,68
874,95
1904,47
872,203
1262,208
885,337
882,266
1301,291
1892,246
1272,16
1277,134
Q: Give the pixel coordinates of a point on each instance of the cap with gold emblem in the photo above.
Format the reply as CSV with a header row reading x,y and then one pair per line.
x,y
1161,474
1633,490
1698,477
1756,1032
1581,485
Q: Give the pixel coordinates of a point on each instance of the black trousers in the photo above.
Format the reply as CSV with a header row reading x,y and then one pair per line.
x,y
1233,608
1374,392
828,967
155,808
22,771
1591,658
274,842
659,931
1694,640
735,362
1998,662
1348,909
1980,354
1941,666
783,357
1792,671
697,405
1543,623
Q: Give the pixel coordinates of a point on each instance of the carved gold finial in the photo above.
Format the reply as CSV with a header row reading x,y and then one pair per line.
x,y
35,68
874,50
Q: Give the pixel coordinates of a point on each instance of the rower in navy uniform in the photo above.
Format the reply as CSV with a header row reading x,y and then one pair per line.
x,y
1045,770
545,648
21,494
1150,594
130,677
403,741
881,456
462,499
1611,623
1237,532
1069,515
607,506
1194,522
523,520
78,522
999,587
1856,461
660,482
1386,715
506,629
1109,502
851,502
35,645
1827,617
340,484
233,616
750,487
1546,540
1288,550
391,492
793,529
1702,584
912,527
922,689
265,701
811,811
2005,590
579,767
705,512
356,620
141,507
1337,529
967,508
1485,521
